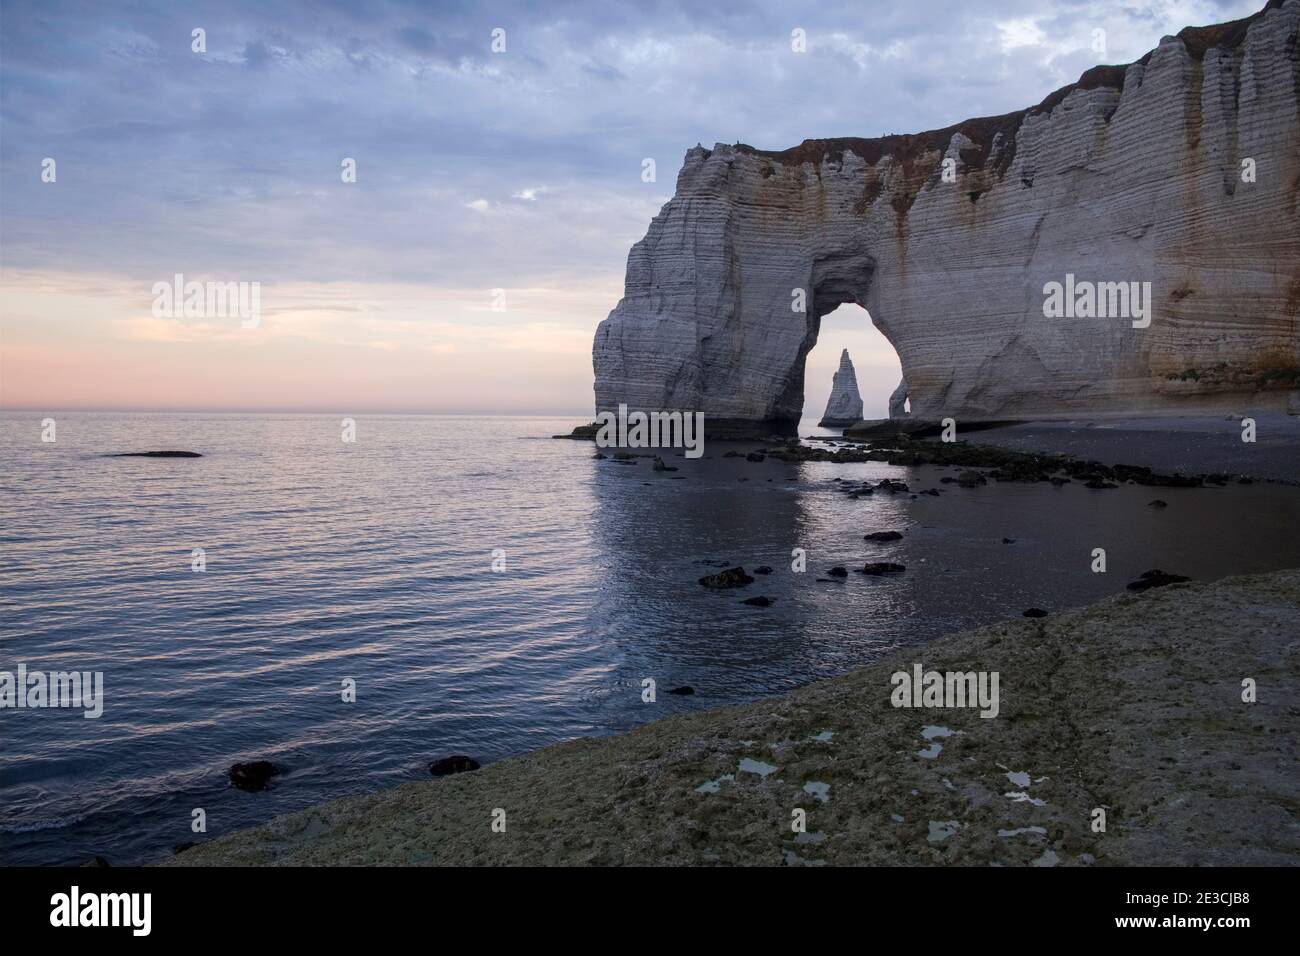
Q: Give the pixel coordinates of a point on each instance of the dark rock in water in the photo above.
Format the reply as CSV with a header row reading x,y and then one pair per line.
x,y
660,466
932,492
755,456
1058,480
839,571
826,580
624,456
253,776
1035,612
759,601
600,456
155,454
891,485
684,691
732,454
1098,483
971,479
456,763
881,567
762,569
1157,504
180,848
583,432
1155,579
1008,540
97,861
730,578
883,536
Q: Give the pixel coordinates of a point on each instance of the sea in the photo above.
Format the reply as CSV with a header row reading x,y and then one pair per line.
x,y
353,610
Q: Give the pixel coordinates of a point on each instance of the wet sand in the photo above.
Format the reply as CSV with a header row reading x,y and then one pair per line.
x,y
1190,445
1132,705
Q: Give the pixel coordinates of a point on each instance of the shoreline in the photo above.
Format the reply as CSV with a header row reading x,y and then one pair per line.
x,y
1132,705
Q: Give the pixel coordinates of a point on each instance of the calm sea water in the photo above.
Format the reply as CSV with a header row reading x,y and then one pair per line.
x,y
373,561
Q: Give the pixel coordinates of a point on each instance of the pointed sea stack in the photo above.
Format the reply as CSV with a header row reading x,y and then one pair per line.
x,y
845,405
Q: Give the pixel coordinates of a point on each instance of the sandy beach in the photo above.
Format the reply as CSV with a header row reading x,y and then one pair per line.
x,y
1189,444
1133,706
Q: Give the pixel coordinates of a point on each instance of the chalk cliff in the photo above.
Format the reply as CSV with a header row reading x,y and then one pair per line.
x,y
844,407
1181,170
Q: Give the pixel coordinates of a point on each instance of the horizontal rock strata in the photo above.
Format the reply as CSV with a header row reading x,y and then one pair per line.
x,y
1132,174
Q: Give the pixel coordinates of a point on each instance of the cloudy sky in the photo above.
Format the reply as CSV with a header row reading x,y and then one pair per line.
x,y
476,170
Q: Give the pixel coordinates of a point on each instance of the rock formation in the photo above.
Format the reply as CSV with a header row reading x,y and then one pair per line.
x,y
1181,170
844,407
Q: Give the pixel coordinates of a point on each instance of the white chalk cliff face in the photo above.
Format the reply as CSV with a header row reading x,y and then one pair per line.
x,y
1136,174
844,407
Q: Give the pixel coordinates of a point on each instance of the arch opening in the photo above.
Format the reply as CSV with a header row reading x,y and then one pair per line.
x,y
877,370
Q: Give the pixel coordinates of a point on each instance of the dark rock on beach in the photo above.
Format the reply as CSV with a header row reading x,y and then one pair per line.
x,y
1155,579
881,567
730,578
253,776
456,763
155,454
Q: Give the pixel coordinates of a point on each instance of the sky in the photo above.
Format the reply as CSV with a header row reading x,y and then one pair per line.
x,y
496,195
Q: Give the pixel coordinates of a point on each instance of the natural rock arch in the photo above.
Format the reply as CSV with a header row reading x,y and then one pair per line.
x,y
1132,174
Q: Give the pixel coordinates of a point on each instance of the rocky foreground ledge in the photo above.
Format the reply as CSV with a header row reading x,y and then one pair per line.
x,y
1133,705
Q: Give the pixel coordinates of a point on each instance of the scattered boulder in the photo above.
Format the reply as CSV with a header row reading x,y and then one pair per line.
x,y
971,479
755,456
1035,612
839,571
600,456
732,454
686,690
456,763
253,776
1157,504
660,466
1155,579
883,536
881,567
730,578
762,569
759,601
